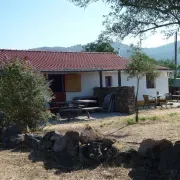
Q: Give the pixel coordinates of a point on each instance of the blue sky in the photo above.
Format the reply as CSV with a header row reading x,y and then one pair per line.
x,y
34,23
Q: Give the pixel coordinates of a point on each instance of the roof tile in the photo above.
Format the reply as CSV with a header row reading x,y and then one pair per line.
x,y
67,61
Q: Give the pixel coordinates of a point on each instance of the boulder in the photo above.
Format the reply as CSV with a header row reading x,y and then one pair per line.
x,y
13,141
48,139
67,144
89,135
151,147
95,153
170,159
108,142
11,130
32,140
146,145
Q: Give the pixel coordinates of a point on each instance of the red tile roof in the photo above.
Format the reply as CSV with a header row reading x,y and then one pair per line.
x,y
67,61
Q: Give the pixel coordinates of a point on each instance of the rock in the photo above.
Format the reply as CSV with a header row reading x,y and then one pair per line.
x,y
150,147
13,141
108,142
48,139
146,145
67,144
56,135
170,159
32,141
84,156
161,146
96,152
89,135
11,130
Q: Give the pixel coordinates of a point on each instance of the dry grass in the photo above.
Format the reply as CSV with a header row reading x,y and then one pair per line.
x,y
16,166
165,124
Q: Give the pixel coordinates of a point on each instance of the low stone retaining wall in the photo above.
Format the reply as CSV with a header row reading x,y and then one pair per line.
x,y
124,98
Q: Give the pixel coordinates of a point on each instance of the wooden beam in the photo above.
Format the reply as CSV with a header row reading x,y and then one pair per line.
x,y
100,78
119,78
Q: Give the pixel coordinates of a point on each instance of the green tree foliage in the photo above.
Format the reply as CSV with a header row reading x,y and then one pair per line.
x,y
102,44
98,47
23,95
134,17
138,67
167,63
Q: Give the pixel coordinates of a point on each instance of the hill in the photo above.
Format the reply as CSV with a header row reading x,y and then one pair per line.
x,y
161,52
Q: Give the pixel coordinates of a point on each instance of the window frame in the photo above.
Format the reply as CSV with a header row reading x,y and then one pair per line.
x,y
150,83
110,82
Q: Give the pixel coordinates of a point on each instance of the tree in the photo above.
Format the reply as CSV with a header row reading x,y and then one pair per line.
x,y
23,95
98,47
139,66
135,17
167,63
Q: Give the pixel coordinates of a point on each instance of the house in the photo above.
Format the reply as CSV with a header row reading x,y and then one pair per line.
x,y
77,73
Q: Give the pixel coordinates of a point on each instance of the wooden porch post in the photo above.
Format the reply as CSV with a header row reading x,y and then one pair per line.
x,y
119,78
100,77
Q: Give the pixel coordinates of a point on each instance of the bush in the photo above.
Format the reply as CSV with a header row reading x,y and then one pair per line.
x,y
23,95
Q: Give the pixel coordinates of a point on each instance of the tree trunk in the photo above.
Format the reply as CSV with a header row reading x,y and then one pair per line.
x,y
136,104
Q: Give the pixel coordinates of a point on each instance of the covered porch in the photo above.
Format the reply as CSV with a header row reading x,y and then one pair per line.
x,y
68,85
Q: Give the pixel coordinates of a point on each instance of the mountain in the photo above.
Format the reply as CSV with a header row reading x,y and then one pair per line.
x,y
161,52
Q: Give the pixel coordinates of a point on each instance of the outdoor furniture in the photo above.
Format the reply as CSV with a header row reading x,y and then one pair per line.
x,y
88,98
108,103
148,101
77,106
159,100
87,110
178,92
164,99
86,102
176,97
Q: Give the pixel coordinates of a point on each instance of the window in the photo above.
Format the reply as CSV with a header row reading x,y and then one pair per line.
x,y
108,81
150,82
73,82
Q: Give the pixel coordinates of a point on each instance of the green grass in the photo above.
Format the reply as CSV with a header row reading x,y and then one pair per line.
x,y
153,118
172,114
142,118
131,121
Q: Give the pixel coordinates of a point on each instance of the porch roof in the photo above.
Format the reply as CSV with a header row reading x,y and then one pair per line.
x,y
68,61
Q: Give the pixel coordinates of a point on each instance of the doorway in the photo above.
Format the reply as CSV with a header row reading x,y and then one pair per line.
x,y
57,86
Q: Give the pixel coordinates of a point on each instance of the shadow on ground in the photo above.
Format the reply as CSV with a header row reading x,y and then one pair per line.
x,y
83,118
59,163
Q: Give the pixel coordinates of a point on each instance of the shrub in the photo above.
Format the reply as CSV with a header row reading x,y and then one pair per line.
x,y
23,95
142,118
172,114
153,118
131,121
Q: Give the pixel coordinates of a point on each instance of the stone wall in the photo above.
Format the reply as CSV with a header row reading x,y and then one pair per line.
x,y
124,98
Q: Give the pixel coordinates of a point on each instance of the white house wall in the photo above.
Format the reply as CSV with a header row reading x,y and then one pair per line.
x,y
114,75
89,80
161,85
